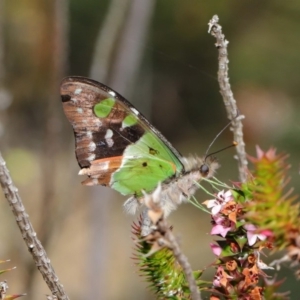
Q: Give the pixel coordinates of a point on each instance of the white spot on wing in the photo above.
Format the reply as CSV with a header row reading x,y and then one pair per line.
x,y
78,91
89,134
97,122
110,142
83,171
112,93
91,157
135,111
92,146
79,110
74,100
109,133
108,138
105,165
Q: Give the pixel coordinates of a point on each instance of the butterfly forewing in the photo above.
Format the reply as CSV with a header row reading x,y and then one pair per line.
x,y
115,144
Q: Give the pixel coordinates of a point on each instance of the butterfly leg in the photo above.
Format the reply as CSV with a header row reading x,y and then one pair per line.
x,y
131,205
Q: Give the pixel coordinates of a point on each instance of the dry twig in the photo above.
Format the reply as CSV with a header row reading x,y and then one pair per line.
x,y
163,236
230,104
171,241
29,235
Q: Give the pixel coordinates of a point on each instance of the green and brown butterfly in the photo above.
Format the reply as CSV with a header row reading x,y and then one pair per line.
x,y
116,146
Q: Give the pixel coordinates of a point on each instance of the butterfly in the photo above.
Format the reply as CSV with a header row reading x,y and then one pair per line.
x,y
116,146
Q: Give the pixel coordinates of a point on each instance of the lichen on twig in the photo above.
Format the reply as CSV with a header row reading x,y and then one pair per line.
x,y
34,246
225,89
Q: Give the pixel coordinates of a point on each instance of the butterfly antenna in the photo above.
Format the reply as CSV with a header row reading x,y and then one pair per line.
x,y
232,145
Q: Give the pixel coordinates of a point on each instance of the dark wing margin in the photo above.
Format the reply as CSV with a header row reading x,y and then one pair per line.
x,y
79,95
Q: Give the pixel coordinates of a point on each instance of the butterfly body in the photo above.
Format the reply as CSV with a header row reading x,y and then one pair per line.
x,y
116,146
178,189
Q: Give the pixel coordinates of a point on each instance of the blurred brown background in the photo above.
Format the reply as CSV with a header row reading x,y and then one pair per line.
x,y
159,55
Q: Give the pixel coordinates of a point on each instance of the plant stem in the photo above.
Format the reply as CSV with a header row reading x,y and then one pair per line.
x,y
29,235
225,89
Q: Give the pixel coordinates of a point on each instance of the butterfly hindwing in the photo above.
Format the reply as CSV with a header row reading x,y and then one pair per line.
x,y
115,144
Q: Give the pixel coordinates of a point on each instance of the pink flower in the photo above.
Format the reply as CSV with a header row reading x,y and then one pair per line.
x,y
252,234
217,204
270,154
222,226
221,278
216,249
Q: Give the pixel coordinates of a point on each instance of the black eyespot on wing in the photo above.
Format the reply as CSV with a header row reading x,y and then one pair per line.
x,y
144,164
204,170
153,151
65,98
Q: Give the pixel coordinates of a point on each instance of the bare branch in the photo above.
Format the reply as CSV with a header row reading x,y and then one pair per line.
x,y
225,89
171,242
160,226
29,235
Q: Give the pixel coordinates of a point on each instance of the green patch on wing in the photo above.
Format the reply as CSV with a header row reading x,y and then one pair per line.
x,y
146,163
103,109
130,120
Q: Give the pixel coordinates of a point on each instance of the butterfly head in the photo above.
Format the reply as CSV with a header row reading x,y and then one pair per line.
x,y
204,170
209,167
206,166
